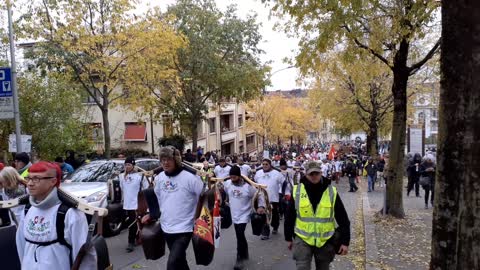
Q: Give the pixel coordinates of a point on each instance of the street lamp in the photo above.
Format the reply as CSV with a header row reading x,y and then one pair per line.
x,y
275,72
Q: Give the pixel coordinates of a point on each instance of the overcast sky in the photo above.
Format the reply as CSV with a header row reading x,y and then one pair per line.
x,y
276,44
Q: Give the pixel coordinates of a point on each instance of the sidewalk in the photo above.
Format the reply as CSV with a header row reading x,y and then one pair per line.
x,y
397,243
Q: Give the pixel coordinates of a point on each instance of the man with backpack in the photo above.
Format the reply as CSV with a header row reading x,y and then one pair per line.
x,y
51,234
351,172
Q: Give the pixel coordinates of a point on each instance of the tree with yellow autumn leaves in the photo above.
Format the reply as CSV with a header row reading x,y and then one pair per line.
x,y
280,119
99,44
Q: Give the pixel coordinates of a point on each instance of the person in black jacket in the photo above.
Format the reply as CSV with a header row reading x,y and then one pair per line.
x,y
302,251
414,174
427,169
351,172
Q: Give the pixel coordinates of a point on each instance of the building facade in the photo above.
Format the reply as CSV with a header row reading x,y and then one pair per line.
x,y
425,111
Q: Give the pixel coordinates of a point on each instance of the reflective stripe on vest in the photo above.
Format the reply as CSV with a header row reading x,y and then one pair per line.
x,y
314,226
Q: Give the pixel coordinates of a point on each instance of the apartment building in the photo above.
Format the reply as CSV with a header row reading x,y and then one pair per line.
x,y
224,130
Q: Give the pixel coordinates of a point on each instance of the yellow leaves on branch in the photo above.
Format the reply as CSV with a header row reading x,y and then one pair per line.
x,y
276,117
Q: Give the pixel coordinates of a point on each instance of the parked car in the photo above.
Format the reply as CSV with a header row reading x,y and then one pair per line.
x,y
98,184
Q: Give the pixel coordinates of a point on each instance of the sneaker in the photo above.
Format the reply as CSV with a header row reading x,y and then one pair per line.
x,y
351,190
265,237
426,206
239,264
275,231
130,248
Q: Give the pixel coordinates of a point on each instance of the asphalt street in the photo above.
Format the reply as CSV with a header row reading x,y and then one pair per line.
x,y
268,254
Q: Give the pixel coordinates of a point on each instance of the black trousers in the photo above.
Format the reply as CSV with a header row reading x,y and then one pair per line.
x,y
275,222
353,186
177,244
132,222
413,183
242,245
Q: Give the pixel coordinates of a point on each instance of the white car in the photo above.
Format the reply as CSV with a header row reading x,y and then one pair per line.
x,y
97,183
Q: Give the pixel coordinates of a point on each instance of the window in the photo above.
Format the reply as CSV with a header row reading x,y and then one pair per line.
x,y
167,125
434,113
240,147
135,132
211,124
240,120
88,99
421,115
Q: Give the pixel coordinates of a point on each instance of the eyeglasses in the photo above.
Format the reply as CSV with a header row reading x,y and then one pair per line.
x,y
37,179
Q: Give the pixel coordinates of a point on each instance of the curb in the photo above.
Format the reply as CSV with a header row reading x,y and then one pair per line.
x,y
371,250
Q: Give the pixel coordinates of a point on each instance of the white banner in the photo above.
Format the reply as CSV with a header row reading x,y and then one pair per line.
x,y
26,143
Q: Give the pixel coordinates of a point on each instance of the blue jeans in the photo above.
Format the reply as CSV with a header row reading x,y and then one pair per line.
x,y
371,182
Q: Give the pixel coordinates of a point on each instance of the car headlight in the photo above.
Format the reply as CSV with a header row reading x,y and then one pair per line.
x,y
97,196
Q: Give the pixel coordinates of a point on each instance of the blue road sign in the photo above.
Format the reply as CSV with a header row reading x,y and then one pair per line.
x,y
5,82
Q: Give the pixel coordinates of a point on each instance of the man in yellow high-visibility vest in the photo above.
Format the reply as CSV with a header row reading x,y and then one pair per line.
x,y
310,219
22,163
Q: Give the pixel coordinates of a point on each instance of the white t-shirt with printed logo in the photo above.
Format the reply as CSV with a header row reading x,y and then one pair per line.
x,y
240,199
222,172
178,197
273,179
130,186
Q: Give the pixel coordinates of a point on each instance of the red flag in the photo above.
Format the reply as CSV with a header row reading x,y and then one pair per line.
x,y
331,154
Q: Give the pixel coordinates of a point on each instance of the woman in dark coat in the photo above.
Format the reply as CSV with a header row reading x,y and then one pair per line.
x,y
427,169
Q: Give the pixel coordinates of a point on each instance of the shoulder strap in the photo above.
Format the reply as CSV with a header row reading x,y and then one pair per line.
x,y
60,226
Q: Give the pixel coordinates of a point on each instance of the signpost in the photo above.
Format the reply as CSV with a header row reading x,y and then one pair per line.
x,y
416,139
6,94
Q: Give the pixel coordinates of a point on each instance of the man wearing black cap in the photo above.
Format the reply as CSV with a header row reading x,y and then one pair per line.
x,y
240,195
131,183
22,163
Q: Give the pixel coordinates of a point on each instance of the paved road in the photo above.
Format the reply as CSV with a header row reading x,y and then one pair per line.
x,y
270,254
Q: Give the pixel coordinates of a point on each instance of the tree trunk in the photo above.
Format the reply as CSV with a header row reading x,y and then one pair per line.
x,y
106,130
194,130
372,140
395,170
456,215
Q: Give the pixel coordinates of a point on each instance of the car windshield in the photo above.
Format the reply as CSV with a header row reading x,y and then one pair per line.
x,y
95,172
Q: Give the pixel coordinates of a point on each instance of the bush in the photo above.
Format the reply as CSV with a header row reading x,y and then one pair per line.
x,y
177,141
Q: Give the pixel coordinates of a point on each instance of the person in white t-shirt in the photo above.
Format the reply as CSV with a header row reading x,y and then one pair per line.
x,y
131,183
222,169
39,244
178,192
273,179
244,168
240,195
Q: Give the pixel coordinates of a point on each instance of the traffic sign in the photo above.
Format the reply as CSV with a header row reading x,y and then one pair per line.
x,y
5,82
6,94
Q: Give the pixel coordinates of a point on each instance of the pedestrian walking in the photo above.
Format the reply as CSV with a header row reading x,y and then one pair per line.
x,y
370,173
351,172
272,179
427,172
222,169
414,174
65,167
51,234
311,219
240,195
380,169
131,183
177,191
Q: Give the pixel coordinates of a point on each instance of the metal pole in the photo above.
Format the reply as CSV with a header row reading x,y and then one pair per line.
x,y
151,133
16,110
